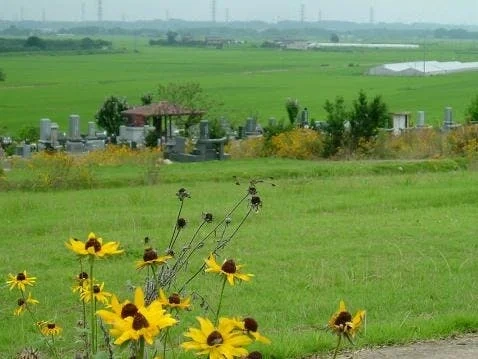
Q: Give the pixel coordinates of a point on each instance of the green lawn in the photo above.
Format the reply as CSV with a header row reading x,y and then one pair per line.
x,y
248,81
394,238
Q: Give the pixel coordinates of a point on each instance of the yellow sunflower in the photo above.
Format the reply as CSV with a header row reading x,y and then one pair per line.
x,y
98,293
218,343
229,269
23,303
174,301
48,328
93,247
20,280
342,322
150,258
131,321
250,327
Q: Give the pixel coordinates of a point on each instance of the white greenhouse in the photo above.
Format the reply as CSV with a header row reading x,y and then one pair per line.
x,y
423,68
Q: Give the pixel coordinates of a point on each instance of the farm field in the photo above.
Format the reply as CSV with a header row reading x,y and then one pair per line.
x,y
394,238
246,80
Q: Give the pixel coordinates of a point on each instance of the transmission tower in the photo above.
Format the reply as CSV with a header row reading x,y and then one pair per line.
x,y
83,10
213,10
43,15
372,15
302,13
227,15
100,10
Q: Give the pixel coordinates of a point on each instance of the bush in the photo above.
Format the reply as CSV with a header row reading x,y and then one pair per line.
x,y
252,147
299,143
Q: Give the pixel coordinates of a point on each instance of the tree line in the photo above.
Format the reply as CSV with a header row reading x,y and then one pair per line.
x,y
35,43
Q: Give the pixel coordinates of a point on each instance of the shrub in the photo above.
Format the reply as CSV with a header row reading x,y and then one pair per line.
x,y
299,143
248,148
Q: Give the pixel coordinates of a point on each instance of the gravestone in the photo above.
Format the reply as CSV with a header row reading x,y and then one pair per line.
x,y
45,130
54,135
91,129
204,130
448,118
421,119
74,128
251,126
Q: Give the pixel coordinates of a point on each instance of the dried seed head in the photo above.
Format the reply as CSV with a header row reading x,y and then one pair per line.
x,y
180,223
207,217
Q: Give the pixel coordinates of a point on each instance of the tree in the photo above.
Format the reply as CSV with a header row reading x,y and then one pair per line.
x,y
35,42
29,134
2,75
334,38
147,99
292,108
109,115
335,125
367,118
171,35
472,110
190,95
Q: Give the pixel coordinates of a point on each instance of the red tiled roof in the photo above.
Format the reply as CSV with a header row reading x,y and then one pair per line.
x,y
160,109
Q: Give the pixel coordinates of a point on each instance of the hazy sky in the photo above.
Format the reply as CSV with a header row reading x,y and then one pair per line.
x,y
442,11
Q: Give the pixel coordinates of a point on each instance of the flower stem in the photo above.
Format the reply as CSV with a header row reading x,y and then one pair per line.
x,y
337,347
92,314
140,349
165,342
220,300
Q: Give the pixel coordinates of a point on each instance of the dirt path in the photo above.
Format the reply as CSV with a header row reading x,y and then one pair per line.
x,y
463,347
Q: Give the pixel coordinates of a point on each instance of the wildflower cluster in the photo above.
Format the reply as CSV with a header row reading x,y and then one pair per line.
x,y
26,303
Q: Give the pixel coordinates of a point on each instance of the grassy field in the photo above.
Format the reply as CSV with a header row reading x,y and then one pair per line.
x,y
247,80
396,240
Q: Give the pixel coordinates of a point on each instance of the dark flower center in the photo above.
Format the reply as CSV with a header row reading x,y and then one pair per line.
x,y
181,223
254,355
252,190
139,321
83,275
229,266
342,319
96,289
250,324
174,299
20,302
51,325
93,242
150,255
21,276
128,310
215,338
